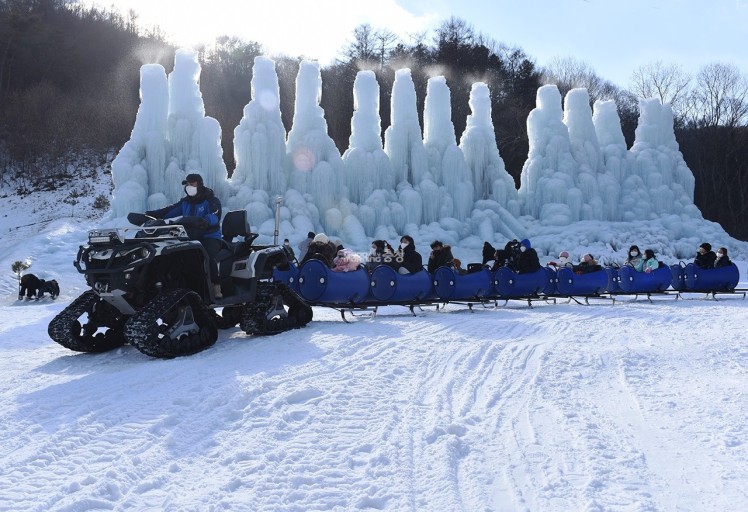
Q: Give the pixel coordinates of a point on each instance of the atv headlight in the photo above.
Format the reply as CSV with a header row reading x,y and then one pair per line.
x,y
104,236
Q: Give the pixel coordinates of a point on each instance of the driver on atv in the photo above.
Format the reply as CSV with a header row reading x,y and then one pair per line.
x,y
200,210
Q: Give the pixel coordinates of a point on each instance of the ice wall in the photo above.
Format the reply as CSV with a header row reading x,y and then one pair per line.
x,y
578,166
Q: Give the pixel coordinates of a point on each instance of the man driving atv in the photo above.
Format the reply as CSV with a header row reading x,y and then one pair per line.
x,y
200,210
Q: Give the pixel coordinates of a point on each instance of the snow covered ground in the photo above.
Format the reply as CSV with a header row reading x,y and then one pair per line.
x,y
635,406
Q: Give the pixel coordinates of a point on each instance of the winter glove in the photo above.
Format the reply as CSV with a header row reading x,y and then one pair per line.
x,y
139,219
196,222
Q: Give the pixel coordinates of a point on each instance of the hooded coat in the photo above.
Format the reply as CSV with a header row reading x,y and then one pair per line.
x,y
724,261
527,261
412,259
440,257
707,259
324,251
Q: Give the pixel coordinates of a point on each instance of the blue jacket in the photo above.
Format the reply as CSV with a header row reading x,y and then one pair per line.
x,y
651,264
205,205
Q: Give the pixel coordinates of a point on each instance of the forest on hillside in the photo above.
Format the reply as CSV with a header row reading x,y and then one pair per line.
x,y
69,82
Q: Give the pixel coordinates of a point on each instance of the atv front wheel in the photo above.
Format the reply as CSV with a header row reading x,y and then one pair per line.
x,y
175,323
88,324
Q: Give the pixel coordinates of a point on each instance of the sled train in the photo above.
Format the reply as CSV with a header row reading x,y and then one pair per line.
x,y
362,289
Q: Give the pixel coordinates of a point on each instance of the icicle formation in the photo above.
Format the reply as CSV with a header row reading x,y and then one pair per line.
x,y
660,164
548,191
171,138
367,166
616,160
585,150
195,139
260,138
316,164
140,163
478,143
403,142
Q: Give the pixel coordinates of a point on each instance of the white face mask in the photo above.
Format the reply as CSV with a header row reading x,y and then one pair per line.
x,y
403,245
720,254
522,248
191,191
633,253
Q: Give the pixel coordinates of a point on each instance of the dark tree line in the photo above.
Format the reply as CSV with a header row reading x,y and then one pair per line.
x,y
69,78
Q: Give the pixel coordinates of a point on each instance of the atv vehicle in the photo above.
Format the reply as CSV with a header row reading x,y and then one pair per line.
x,y
151,288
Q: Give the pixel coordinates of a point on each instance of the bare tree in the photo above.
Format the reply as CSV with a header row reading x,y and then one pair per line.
x,y
720,97
666,82
569,73
364,45
454,31
385,40
132,21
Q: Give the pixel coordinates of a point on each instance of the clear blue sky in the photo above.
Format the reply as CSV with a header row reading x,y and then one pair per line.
x,y
613,36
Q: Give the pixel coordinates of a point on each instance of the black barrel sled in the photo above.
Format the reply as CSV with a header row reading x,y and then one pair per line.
x,y
150,287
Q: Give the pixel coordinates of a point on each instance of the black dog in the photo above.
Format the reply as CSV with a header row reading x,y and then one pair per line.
x,y
33,286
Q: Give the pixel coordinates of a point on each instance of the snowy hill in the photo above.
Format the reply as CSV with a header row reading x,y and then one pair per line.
x,y
632,406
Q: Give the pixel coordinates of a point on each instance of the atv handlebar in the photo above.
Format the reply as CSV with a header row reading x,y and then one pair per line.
x,y
139,219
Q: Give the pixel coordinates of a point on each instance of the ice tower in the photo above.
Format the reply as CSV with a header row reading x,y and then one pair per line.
x,y
171,138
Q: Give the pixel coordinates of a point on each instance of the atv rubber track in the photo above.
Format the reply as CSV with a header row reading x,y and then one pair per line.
x,y
66,329
147,330
259,318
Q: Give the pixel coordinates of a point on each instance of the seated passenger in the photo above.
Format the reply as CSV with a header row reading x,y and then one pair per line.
x,y
321,249
705,256
456,265
634,258
304,244
527,261
563,260
489,253
346,261
412,261
506,257
440,256
381,253
650,263
587,265
511,254
500,259
722,259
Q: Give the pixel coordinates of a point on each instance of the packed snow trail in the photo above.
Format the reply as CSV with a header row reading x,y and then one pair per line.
x,y
635,406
